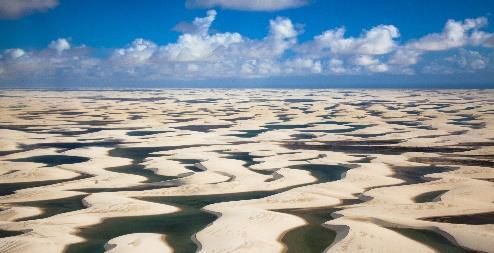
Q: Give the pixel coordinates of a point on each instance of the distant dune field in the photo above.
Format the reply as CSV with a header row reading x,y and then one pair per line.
x,y
214,170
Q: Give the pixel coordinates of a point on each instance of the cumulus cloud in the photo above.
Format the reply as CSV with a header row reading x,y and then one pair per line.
x,y
378,40
371,63
49,64
221,54
359,52
337,66
469,60
59,45
282,36
198,26
365,60
454,35
139,52
303,65
196,44
201,52
378,68
404,56
14,53
247,5
13,9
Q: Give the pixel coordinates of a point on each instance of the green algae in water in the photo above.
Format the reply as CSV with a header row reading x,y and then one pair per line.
x,y
138,155
312,237
53,207
179,227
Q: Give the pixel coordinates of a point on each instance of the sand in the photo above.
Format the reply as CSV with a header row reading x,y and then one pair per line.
x,y
379,162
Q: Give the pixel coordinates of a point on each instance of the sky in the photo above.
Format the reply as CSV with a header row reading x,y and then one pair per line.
x,y
242,43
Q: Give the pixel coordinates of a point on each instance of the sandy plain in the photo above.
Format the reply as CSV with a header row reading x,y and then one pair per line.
x,y
212,170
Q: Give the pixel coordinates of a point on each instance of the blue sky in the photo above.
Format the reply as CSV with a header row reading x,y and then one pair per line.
x,y
299,43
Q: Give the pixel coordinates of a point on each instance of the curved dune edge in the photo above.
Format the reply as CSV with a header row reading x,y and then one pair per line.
x,y
464,196
138,242
266,225
65,225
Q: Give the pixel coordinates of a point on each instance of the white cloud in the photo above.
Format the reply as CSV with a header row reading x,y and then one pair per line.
x,y
212,55
303,65
455,34
378,68
482,38
282,36
247,5
13,9
196,44
370,63
337,66
478,64
199,25
14,53
469,60
404,57
376,41
202,53
139,52
49,62
365,60
462,61
59,45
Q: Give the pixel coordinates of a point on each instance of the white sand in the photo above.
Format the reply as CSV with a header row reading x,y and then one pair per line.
x,y
255,225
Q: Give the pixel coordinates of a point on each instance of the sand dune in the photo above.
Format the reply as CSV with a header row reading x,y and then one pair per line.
x,y
246,171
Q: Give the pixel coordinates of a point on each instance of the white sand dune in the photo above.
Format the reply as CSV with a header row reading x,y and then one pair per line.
x,y
415,161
